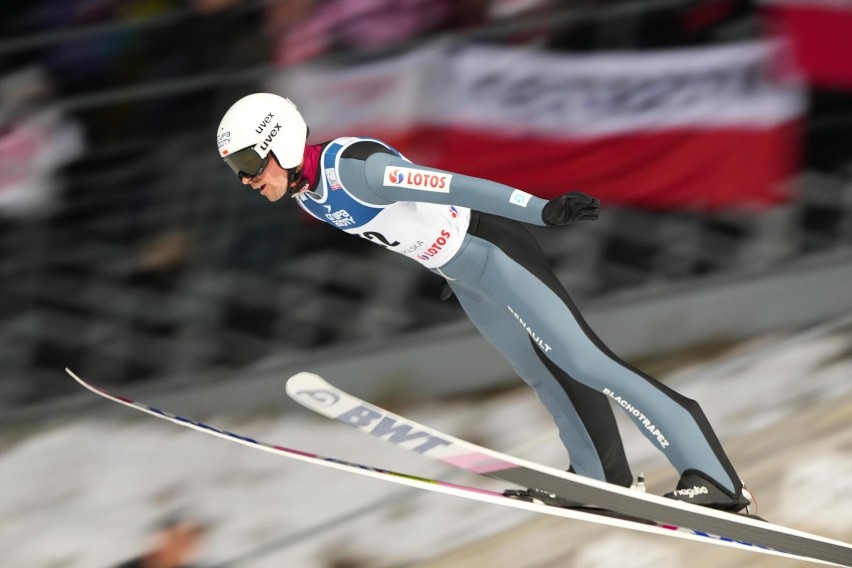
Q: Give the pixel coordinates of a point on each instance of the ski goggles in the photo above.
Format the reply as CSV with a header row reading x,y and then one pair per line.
x,y
246,163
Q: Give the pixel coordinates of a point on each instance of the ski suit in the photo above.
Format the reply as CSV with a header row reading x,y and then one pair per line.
x,y
471,232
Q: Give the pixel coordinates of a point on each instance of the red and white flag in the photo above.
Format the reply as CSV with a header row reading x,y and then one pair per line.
x,y
699,129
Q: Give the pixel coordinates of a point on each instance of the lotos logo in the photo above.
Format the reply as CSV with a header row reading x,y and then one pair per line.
x,y
436,246
453,211
418,179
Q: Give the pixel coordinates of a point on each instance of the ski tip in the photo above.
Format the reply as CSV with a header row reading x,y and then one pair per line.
x,y
304,379
312,391
82,382
77,378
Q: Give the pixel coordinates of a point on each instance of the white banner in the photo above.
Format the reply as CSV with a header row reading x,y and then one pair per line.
x,y
528,91
532,92
707,128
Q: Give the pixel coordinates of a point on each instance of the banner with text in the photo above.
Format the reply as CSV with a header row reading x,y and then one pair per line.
x,y
702,129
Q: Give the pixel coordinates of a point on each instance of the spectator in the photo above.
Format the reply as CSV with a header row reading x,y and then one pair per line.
x,y
306,29
91,61
35,141
175,545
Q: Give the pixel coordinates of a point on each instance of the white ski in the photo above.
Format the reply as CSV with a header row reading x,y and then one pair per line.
x,y
437,486
313,392
434,485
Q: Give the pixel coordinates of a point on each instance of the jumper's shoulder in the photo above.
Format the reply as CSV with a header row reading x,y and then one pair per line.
x,y
365,148
360,168
367,159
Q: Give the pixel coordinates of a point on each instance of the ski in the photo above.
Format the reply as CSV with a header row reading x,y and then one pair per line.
x,y
437,486
315,393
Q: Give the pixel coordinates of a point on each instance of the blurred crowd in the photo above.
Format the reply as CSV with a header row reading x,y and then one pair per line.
x,y
131,74
107,164
91,86
127,73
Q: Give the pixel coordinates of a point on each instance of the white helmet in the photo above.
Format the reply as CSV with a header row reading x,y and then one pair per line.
x,y
256,125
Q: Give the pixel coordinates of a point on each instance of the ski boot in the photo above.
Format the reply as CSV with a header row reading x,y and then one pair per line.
x,y
696,488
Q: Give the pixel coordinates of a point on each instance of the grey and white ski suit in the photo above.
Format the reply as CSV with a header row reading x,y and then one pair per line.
x,y
471,232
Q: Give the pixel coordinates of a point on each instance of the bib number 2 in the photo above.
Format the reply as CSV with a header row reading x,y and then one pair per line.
x,y
378,238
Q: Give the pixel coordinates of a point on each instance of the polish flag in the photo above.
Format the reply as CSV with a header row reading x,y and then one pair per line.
x,y
699,129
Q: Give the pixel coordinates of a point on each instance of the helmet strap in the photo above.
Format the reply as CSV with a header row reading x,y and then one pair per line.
x,y
296,182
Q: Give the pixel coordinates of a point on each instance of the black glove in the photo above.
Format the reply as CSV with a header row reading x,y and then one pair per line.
x,y
574,206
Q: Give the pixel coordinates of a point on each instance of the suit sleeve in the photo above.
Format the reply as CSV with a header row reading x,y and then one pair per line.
x,y
390,179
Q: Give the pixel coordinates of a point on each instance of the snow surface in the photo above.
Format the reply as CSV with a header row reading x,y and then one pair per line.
x,y
86,495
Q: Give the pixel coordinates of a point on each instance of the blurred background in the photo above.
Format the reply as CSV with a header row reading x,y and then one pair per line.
x,y
717,133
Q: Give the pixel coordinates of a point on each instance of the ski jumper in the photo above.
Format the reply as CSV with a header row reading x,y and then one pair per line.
x,y
470,231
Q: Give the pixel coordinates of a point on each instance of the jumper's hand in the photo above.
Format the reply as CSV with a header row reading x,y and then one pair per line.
x,y
570,207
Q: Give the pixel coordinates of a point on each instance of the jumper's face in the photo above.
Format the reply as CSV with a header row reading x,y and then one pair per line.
x,y
271,182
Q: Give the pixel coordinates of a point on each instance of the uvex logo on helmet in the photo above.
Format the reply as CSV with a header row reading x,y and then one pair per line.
x,y
264,122
272,134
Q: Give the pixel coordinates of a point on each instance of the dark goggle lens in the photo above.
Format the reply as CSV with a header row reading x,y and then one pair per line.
x,y
246,162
